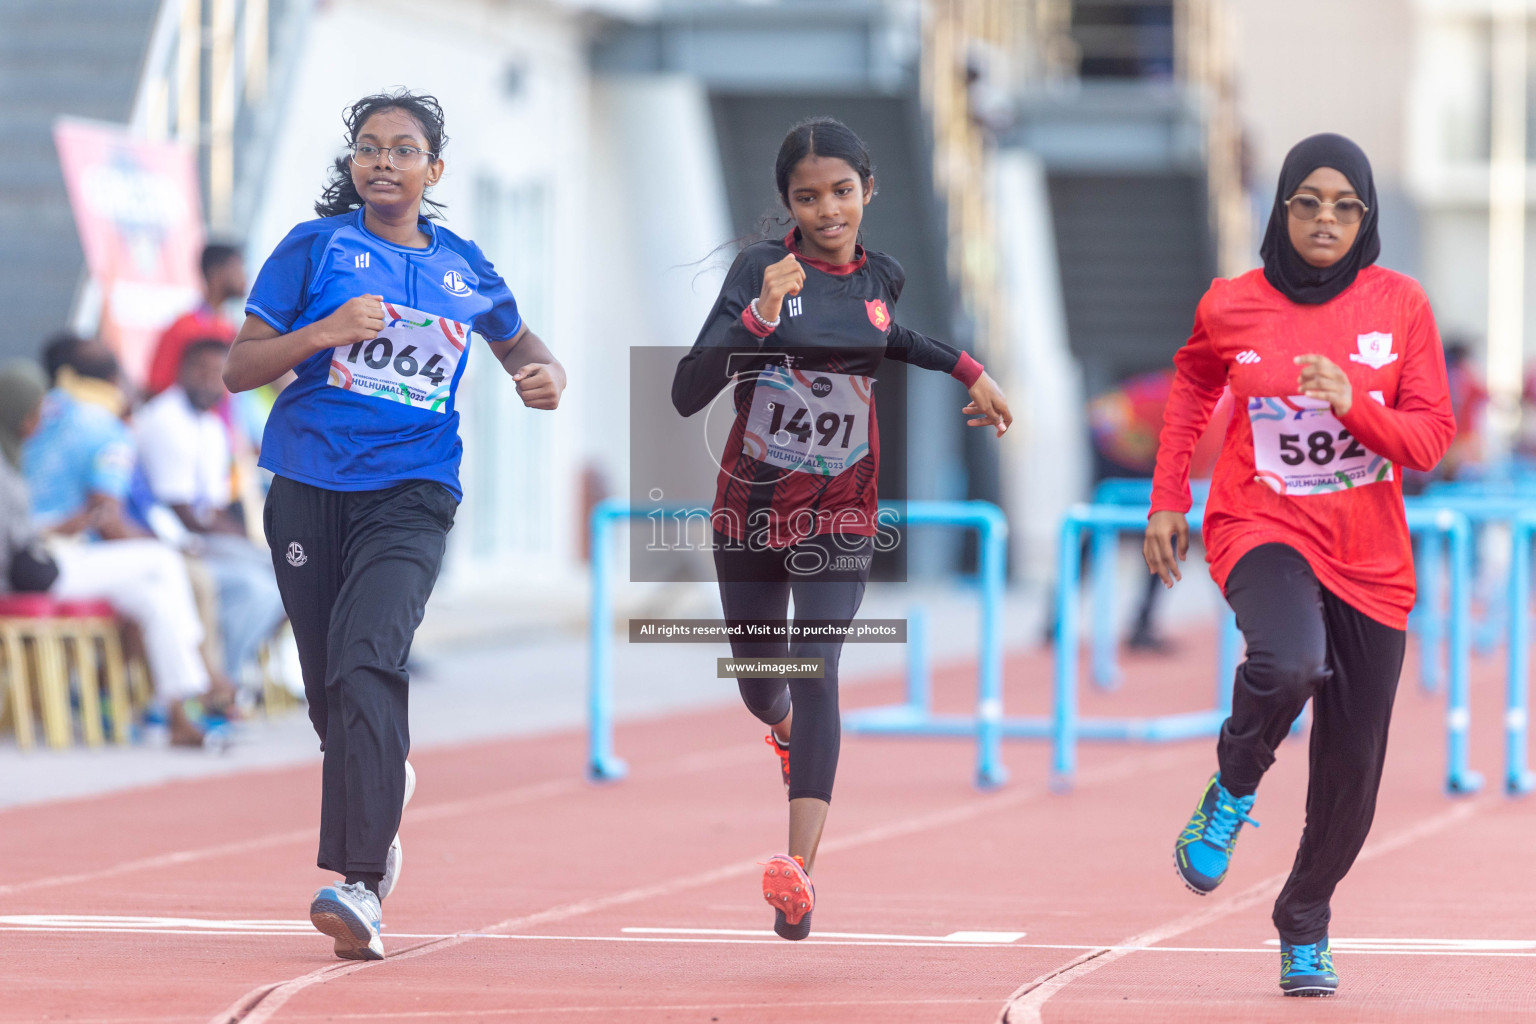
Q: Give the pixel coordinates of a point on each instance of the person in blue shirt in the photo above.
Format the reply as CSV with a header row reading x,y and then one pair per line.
x,y
371,306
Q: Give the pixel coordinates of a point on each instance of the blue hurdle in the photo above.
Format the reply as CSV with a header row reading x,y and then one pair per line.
x,y
1426,620
1518,777
1069,728
1483,504
989,725
1103,627
1454,528
602,764
915,715
912,717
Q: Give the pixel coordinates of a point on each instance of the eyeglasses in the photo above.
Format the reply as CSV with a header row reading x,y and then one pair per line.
x,y
1305,207
401,158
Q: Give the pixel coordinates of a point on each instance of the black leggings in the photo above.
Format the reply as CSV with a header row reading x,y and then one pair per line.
x,y
1305,642
827,574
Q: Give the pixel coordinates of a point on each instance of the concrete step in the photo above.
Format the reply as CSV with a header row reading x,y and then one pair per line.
x,y
14,12
45,218
67,41
19,73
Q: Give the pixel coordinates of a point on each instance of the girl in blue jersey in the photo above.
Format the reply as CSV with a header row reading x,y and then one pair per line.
x,y
371,306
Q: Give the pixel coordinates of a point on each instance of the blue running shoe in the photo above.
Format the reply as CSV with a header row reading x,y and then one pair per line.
x,y
1204,849
1306,969
349,914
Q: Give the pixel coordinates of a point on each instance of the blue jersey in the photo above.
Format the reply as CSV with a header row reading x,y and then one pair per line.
x,y
380,412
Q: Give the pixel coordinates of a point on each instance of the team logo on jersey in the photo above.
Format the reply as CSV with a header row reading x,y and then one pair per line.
x,y
1375,350
296,555
1247,358
453,283
878,315
360,261
792,307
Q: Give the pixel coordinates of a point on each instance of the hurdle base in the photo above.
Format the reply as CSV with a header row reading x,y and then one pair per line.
x,y
988,779
607,769
1463,783
913,720
1520,783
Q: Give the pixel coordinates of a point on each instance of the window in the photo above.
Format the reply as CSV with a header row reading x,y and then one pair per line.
x,y
508,479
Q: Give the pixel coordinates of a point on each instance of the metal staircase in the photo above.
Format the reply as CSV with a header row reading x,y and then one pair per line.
x,y
1135,121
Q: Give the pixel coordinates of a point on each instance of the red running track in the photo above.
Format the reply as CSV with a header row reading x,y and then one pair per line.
x,y
529,895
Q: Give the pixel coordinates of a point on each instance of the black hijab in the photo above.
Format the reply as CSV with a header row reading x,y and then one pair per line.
x,y
1284,268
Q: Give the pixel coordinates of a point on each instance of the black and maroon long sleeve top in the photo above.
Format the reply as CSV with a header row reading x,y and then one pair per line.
x,y
842,322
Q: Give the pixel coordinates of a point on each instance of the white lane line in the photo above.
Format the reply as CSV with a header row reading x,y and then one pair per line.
x,y
974,938
259,1005
1494,948
610,1011
1427,945
95,922
1024,1005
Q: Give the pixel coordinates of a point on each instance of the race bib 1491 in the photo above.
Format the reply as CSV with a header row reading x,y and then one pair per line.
x,y
1300,448
809,421
412,361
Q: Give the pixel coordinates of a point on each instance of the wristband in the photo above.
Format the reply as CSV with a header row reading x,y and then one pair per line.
x,y
754,326
967,370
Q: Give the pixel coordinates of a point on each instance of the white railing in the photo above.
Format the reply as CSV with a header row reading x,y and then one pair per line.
x,y
1203,62
972,49
235,52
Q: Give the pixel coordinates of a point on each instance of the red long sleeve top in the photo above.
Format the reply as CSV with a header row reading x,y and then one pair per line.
x,y
1290,472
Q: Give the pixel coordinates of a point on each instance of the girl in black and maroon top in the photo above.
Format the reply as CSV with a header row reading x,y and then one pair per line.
x,y
801,327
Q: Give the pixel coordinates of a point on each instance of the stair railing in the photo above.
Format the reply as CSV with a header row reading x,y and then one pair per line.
x,y
1203,55
240,54
967,45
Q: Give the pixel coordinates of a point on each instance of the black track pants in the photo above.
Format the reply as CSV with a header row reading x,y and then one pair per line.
x,y
1305,642
355,569
826,574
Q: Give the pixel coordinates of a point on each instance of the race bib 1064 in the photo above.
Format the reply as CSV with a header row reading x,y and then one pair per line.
x,y
412,361
1300,448
809,422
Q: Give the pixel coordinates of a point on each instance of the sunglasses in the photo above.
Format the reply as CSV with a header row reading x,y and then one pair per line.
x,y
1305,207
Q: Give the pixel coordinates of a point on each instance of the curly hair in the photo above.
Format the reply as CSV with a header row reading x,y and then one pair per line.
x,y
340,195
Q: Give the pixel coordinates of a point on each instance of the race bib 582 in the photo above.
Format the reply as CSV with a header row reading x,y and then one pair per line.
x,y
809,421
412,361
1300,448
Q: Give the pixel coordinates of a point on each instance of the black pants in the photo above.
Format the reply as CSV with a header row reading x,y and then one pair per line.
x,y
1305,642
826,574
355,569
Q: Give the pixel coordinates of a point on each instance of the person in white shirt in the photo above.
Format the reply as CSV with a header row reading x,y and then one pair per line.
x,y
185,453
144,580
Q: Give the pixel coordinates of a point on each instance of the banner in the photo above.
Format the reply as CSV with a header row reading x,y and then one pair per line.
x,y
139,215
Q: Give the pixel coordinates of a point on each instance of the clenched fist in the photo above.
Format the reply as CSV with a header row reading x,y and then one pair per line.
x,y
785,277
539,384
358,319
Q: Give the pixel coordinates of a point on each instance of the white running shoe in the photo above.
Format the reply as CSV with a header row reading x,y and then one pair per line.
x,y
351,915
395,858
